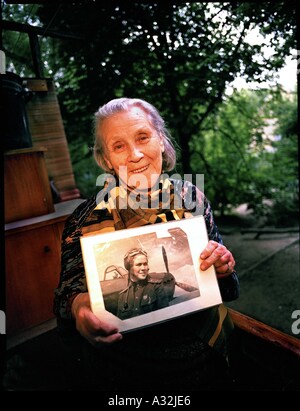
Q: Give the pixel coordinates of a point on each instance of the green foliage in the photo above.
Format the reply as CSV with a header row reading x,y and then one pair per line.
x,y
285,163
180,57
247,161
84,166
15,44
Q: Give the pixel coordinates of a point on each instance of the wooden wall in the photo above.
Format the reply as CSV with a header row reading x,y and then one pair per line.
x,y
47,131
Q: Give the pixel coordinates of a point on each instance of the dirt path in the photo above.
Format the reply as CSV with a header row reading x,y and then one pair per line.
x,y
268,269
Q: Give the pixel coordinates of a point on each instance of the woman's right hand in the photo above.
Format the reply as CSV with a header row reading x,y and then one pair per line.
x,y
97,332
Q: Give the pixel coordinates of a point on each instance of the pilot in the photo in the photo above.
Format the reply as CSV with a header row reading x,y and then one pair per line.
x,y
145,292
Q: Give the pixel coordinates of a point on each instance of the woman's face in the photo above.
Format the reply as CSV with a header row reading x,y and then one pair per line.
x,y
133,148
139,269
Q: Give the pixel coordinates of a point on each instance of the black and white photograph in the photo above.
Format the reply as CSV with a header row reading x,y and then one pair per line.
x,y
151,275
146,273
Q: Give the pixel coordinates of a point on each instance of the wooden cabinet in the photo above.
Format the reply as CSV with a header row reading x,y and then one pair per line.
x,y
32,271
27,190
32,254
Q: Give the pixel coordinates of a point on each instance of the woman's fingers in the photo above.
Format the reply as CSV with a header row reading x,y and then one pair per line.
x,y
218,255
95,330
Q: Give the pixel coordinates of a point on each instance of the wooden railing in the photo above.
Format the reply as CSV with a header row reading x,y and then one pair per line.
x,y
265,332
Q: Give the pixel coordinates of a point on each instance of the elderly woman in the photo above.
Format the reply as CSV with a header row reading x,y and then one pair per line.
x,y
133,145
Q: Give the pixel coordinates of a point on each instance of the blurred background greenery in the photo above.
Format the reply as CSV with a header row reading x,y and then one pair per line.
x,y
184,59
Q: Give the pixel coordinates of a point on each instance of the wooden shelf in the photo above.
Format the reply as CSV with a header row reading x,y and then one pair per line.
x,y
25,151
32,268
27,191
62,210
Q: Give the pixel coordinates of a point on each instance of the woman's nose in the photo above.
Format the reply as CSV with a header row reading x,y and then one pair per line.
x,y
135,153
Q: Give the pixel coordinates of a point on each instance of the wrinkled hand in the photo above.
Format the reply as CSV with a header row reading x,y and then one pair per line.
x,y
218,255
97,332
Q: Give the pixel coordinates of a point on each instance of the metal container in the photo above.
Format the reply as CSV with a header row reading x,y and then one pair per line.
x,y
14,129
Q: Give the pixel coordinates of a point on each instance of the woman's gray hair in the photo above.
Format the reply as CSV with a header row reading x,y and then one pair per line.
x,y
123,104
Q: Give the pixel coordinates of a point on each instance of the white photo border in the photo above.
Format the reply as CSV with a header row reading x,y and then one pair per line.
x,y
195,229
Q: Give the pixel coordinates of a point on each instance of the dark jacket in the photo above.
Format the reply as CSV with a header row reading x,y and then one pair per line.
x,y
145,296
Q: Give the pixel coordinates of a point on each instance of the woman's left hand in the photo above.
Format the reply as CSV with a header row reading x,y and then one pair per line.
x,y
218,255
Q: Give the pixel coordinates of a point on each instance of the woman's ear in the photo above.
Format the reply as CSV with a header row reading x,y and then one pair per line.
x,y
108,163
162,144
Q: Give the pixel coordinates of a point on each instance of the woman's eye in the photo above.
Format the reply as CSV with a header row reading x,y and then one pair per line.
x,y
119,147
143,139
